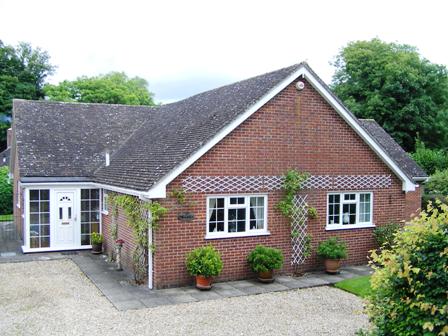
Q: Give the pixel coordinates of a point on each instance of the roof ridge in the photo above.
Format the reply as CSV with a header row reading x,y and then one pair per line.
x,y
297,65
54,102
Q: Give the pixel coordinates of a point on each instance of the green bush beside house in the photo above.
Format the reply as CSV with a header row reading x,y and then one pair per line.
x,y
6,192
410,284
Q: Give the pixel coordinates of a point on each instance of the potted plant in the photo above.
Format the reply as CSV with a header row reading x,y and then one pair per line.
x,y
264,260
97,243
332,251
204,263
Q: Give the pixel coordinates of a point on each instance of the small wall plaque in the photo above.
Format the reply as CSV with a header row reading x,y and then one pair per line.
x,y
186,216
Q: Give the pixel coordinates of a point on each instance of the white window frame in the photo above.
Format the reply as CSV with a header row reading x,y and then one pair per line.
x,y
227,206
104,202
358,224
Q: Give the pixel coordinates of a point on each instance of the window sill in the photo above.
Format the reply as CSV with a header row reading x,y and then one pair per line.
x,y
237,235
347,227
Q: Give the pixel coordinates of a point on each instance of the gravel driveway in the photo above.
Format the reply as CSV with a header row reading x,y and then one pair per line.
x,y
55,298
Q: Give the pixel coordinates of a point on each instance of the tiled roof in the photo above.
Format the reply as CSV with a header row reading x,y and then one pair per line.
x,y
180,129
146,143
65,139
393,149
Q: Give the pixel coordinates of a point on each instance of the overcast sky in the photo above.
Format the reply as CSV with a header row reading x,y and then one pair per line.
x,y
185,47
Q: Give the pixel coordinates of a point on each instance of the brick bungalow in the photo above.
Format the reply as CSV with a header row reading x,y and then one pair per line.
x,y
228,149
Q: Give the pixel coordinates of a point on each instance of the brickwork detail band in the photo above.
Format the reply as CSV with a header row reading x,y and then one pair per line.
x,y
214,184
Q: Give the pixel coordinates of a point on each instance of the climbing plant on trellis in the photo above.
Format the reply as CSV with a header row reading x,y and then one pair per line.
x,y
300,240
294,206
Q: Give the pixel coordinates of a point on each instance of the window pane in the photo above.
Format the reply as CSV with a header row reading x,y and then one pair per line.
x,y
34,219
85,194
94,205
34,195
95,227
45,218
34,206
95,194
349,214
44,206
84,216
212,215
85,228
85,205
220,202
241,226
34,242
350,197
45,195
85,239
45,230
212,203
34,230
253,225
45,242
232,214
237,200
94,216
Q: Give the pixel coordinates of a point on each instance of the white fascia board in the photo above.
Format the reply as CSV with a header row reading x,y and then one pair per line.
x,y
408,185
121,190
82,184
159,189
55,184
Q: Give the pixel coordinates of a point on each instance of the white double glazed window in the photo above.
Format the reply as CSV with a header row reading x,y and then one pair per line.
x,y
236,215
349,210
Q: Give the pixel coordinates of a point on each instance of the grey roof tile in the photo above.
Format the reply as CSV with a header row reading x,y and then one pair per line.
x,y
178,130
393,149
69,139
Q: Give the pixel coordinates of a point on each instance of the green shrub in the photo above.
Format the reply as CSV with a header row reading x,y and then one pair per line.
x,y
6,193
264,259
385,234
332,248
97,238
410,283
204,261
438,183
430,160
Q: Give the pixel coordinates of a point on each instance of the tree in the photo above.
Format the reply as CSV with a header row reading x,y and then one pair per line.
x,y
393,84
23,71
112,88
5,192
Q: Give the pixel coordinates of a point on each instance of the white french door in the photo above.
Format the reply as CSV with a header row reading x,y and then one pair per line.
x,y
65,219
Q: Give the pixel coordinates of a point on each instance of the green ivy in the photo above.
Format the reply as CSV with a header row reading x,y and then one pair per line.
x,y
292,184
136,212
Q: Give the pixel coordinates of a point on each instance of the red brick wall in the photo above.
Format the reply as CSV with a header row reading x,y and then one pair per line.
x,y
413,203
124,232
294,130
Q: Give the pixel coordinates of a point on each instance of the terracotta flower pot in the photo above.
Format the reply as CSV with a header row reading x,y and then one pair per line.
x,y
332,266
97,248
203,283
266,277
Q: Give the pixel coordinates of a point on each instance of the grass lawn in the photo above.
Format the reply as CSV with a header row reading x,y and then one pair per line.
x,y
359,286
4,218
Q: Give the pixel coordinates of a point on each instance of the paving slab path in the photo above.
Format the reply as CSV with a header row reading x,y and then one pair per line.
x,y
119,289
